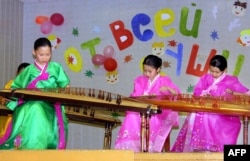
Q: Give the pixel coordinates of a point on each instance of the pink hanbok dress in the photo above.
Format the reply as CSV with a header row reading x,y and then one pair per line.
x,y
160,124
208,131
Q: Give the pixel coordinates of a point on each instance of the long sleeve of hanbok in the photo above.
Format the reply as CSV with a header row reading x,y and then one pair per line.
x,y
20,81
204,82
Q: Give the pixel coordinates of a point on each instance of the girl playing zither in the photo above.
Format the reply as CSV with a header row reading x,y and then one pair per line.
x,y
151,83
210,132
38,124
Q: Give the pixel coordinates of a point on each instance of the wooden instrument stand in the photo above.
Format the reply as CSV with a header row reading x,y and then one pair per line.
x,y
100,118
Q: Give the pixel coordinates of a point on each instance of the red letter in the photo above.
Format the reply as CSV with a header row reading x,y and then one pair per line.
x,y
123,37
190,68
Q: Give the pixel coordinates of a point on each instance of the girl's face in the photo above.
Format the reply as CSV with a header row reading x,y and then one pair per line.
x,y
42,55
215,72
150,71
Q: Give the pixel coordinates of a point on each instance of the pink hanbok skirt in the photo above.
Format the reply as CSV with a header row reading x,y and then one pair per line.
x,y
160,126
207,132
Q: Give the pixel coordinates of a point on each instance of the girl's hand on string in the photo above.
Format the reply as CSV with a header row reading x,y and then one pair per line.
x,y
166,88
229,91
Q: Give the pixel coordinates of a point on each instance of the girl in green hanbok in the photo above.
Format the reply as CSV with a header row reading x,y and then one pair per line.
x,y
38,124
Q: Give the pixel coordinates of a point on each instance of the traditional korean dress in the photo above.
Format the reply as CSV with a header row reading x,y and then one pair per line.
x,y
160,124
5,121
38,124
207,131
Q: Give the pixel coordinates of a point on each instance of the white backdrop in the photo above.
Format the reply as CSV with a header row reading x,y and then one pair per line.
x,y
180,29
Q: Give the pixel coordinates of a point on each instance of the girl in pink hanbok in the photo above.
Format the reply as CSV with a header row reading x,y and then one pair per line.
x,y
151,83
207,131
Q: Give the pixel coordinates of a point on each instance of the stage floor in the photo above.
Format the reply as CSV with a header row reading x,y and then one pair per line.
x,y
104,155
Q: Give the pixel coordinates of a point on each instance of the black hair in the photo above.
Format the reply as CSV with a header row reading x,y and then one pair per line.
x,y
22,66
42,41
153,61
241,4
219,61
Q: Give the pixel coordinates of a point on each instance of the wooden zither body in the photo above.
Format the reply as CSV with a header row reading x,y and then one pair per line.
x,y
82,97
88,105
238,105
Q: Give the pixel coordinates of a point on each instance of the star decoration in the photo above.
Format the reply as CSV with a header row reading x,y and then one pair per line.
x,y
214,35
70,59
75,31
234,24
190,88
166,64
89,73
128,58
172,43
96,29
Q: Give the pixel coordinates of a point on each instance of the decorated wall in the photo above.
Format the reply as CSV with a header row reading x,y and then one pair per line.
x,y
101,44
